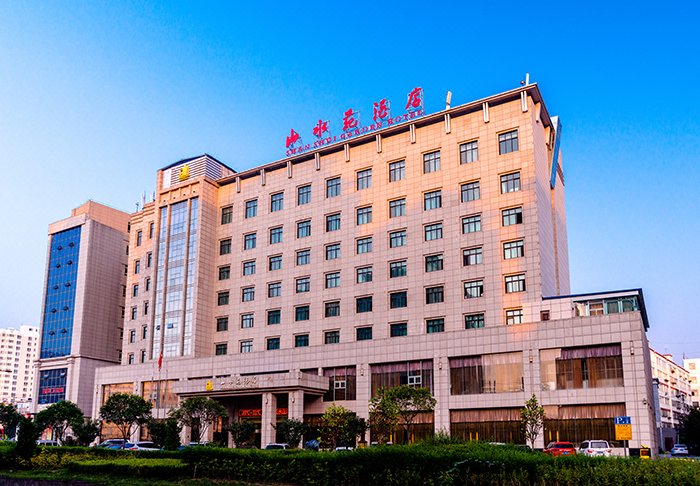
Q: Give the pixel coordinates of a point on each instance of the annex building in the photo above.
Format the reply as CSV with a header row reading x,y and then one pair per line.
x,y
429,251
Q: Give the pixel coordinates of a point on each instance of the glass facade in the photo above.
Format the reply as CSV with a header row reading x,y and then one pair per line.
x,y
52,386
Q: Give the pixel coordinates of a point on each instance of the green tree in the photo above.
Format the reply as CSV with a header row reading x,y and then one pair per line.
x,y
383,415
199,413
27,434
333,425
242,432
86,431
126,411
291,431
59,416
165,433
409,402
690,430
9,418
532,417
355,429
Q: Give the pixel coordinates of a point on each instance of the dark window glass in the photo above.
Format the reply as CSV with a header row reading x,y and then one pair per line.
x,y
331,337
433,263
397,238
397,269
304,228
364,179
433,231
224,272
332,309
397,171
249,241
508,142
434,325
333,222
333,187
221,324
472,256
333,251
304,195
398,300
364,215
301,341
469,152
225,247
363,304
274,317
364,245
275,235
276,202
434,295
222,298
274,289
227,215
303,284
471,191
512,216
398,329
220,349
251,208
364,274
249,267
273,343
431,162
474,321
397,208
301,313
432,200
363,333
332,280
303,257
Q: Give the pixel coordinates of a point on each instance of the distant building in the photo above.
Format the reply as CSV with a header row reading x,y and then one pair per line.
x,y
83,307
672,397
693,367
18,351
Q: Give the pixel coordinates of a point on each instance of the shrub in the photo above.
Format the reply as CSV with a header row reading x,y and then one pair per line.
x,y
132,467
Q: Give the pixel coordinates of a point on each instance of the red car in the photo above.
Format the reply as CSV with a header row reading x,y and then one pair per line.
x,y
560,449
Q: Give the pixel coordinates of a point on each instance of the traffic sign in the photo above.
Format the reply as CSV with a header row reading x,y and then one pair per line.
x,y
623,420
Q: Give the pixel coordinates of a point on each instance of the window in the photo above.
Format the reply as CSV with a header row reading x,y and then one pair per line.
x,y
515,283
131,358
247,321
246,346
304,228
363,333
135,290
472,256
275,235
469,152
301,313
432,200
397,238
249,267
398,329
149,259
225,246
273,343
397,208
132,336
276,202
274,317
251,208
363,304
331,337
364,274
144,332
333,187
139,238
471,224
510,182
227,215
222,298
220,349
221,324
434,295
333,251
303,257
275,262
151,230
303,284
397,269
508,142
304,194
471,191
247,294
433,263
224,272
473,289
489,373
364,179
249,241
332,222
397,171
433,231
301,341
513,249
474,321
514,316
398,300
274,289
137,267
332,280
431,162
364,215
364,245
583,367
434,325
512,216
332,309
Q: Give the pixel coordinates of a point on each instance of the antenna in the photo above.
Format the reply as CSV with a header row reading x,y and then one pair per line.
x,y
448,100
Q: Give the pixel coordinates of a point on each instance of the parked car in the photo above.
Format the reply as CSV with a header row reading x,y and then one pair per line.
x,y
560,449
595,448
112,444
344,449
48,443
276,446
141,446
679,450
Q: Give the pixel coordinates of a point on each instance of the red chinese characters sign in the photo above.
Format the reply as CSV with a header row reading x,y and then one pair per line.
x,y
257,412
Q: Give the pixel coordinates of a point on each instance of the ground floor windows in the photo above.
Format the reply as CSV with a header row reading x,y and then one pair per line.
x,y
390,375
490,425
581,367
342,383
490,373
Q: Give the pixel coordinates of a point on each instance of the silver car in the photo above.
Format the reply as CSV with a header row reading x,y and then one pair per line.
x,y
679,450
599,448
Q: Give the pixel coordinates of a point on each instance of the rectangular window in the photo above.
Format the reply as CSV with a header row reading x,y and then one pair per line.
x,y
331,337
304,228
510,182
135,289
251,208
149,259
130,359
364,274
332,222
274,317
363,333
514,316
333,187
512,216
332,309
303,194
397,269
276,202
489,373
249,267
151,230
247,294
398,300
433,231
249,241
433,263
333,251
431,162
225,246
434,325
332,280
220,349
513,249
474,321
473,289
301,341
364,245
301,313
132,336
364,179
363,304
397,171
222,298
472,256
246,346
303,257
469,152
273,343
398,329
139,238
247,321
227,215
515,283
432,200
221,324
471,191
471,224
364,215
275,263
434,295
144,332
303,284
274,289
224,272
275,235
397,208
137,267
145,308
508,142
598,366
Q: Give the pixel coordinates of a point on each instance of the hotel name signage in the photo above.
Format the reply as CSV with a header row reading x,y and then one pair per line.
x,y
236,382
351,127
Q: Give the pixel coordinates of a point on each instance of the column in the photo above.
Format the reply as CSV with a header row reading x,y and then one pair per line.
x,y
441,392
295,407
269,419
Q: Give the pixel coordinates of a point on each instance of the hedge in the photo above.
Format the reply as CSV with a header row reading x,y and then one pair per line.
x,y
132,467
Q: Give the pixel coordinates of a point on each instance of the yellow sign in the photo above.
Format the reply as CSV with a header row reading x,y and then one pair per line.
x,y
210,385
184,172
623,431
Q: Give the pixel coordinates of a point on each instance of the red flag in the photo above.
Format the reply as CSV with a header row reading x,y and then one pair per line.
x,y
160,361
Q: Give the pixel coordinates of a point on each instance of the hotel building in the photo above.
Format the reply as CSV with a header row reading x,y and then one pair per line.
x,y
431,252
672,397
18,349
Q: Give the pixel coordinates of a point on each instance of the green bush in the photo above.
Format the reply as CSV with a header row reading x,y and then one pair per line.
x,y
132,467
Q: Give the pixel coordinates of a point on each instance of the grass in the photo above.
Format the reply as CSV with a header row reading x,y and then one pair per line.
x,y
103,480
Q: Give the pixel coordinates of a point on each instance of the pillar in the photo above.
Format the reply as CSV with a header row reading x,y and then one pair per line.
x,y
295,407
269,419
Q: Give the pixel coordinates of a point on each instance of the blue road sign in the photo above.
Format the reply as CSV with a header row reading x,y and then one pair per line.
x,y
623,421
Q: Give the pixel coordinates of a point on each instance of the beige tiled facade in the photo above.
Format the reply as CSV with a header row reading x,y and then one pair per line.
x,y
18,351
417,291
693,367
672,397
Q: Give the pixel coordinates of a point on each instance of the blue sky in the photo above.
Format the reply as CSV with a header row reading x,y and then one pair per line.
x,y
96,96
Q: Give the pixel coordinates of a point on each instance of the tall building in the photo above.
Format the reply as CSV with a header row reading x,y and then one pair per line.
x,y
18,351
693,367
672,397
428,250
83,303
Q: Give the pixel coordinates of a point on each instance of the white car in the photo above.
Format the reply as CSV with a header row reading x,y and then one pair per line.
x,y
276,446
679,450
599,448
141,446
